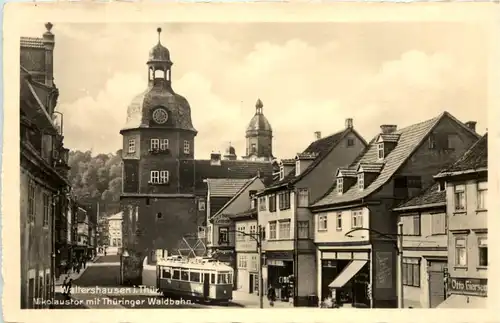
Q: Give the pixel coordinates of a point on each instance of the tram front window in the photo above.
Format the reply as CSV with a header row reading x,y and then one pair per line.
x,y
177,274
165,273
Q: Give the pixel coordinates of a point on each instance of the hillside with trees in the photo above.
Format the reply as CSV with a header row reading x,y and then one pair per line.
x,y
96,180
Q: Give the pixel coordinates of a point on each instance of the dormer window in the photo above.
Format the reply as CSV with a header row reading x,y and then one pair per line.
x,y
340,185
380,148
282,172
441,186
297,168
361,181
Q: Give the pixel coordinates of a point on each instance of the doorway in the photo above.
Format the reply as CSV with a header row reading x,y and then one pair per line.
x,y
436,282
206,285
251,283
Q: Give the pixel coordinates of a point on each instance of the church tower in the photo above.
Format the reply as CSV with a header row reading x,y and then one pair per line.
x,y
259,136
158,167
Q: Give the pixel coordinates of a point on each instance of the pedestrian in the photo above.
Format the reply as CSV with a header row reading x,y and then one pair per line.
x,y
271,295
68,287
65,285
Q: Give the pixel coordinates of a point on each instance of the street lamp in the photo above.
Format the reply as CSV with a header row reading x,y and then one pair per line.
x,y
397,240
258,239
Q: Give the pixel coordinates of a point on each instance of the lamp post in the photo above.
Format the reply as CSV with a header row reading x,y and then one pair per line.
x,y
397,240
258,239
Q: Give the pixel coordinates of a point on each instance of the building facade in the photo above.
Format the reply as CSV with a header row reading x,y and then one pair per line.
x,y
467,209
425,247
163,183
43,169
114,223
284,211
83,239
355,218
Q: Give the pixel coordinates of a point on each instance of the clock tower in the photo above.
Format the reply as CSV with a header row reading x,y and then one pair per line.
x,y
158,156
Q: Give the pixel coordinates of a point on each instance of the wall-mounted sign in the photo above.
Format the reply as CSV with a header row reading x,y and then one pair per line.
x,y
222,219
383,269
272,262
470,286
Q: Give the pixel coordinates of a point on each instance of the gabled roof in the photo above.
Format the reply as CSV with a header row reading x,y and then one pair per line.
x,y
370,167
225,187
236,195
234,169
346,172
473,160
321,147
410,139
430,197
117,216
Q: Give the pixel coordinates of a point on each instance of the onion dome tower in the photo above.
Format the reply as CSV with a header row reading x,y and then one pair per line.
x,y
259,135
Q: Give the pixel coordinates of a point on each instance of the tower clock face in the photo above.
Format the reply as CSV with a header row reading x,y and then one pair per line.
x,y
160,116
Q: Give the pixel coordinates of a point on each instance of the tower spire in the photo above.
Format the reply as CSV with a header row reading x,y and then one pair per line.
x,y
159,35
258,106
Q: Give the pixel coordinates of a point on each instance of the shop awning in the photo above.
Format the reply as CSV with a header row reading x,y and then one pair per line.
x,y
464,301
352,269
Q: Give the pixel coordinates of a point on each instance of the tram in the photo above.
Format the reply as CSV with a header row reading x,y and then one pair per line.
x,y
200,278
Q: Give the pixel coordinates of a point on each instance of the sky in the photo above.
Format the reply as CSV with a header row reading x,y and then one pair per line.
x,y
309,76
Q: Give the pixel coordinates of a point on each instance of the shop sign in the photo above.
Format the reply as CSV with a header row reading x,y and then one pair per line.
x,y
222,219
272,262
470,286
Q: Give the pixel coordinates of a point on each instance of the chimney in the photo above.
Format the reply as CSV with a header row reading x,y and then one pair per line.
x,y
48,44
388,128
317,135
215,159
348,123
471,125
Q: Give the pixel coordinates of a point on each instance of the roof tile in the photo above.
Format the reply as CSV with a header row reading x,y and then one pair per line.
x,y
431,195
474,158
225,187
32,42
410,138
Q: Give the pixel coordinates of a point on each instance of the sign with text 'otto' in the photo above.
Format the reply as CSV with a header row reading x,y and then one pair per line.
x,y
470,286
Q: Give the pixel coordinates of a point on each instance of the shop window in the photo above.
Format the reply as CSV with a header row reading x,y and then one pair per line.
x,y
483,252
460,251
411,272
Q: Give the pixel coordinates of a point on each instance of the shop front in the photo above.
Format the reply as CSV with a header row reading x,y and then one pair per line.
x,y
466,293
279,272
345,278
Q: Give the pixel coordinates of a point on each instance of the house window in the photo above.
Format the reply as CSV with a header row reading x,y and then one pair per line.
x,y
350,142
253,231
240,236
164,144
272,230
441,186
340,185
303,228
432,142
284,200
254,265
411,225
131,146
361,181
483,251
201,205
242,262
272,203
303,200
339,221
482,192
186,147
357,219
46,209
164,176
459,197
322,222
31,201
254,148
460,251
282,172
223,235
154,177
297,167
411,272
284,229
262,203
380,149
155,144
438,223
